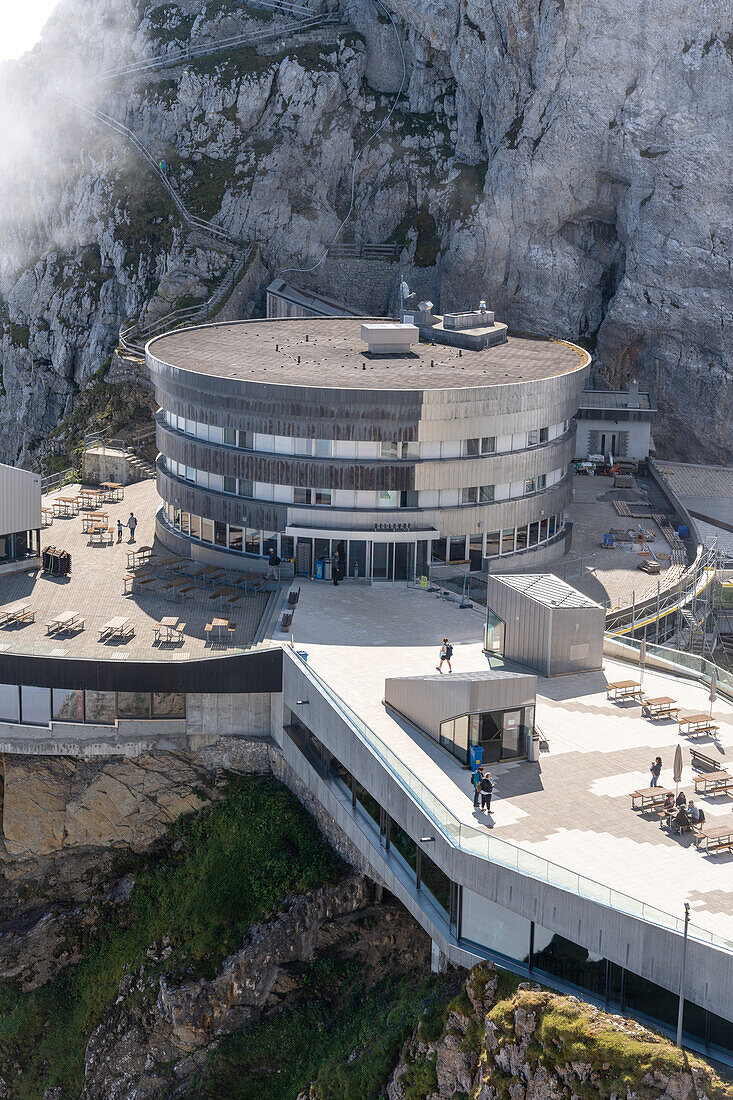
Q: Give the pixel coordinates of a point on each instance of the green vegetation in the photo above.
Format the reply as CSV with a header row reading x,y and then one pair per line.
x,y
570,1031
147,213
19,335
337,1033
220,871
204,191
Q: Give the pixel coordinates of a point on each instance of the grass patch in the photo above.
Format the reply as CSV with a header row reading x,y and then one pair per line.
x,y
222,869
344,1038
205,189
147,213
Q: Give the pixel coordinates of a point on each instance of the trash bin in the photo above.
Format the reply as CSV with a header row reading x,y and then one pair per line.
x,y
303,654
476,753
682,531
327,569
319,569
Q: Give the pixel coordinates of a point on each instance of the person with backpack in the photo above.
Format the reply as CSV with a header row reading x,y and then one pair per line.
x,y
476,780
487,788
446,652
656,770
273,563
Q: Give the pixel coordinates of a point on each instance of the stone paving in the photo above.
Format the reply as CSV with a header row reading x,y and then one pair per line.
x,y
607,576
573,806
95,590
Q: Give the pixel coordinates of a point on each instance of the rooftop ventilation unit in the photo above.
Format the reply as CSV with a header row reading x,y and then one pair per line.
x,y
389,339
478,318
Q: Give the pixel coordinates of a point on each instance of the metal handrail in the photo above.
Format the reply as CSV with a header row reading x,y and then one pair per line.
x,y
480,843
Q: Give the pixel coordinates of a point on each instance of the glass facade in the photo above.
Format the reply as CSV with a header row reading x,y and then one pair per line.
x,y
502,734
518,943
37,706
19,545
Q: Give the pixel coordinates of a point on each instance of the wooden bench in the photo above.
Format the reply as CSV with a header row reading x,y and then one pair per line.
x,y
720,847
231,629
722,786
286,621
699,759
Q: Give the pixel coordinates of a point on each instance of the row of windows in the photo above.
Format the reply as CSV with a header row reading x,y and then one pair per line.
x,y
350,498
478,921
390,450
19,545
247,540
38,706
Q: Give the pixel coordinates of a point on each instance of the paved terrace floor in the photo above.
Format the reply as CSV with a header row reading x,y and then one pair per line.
x,y
95,590
573,806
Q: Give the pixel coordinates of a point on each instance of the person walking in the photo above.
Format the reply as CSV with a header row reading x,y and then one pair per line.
x,y
119,530
273,565
487,789
476,780
446,652
656,770
336,567
132,524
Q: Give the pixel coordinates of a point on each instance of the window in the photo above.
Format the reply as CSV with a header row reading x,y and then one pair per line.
x,y
246,441
488,445
230,437
388,498
236,538
184,522
408,498
230,484
207,530
411,451
544,435
457,548
541,482
67,705
324,448
533,437
35,706
486,494
303,446
133,704
269,541
471,448
220,533
301,496
469,495
534,534
494,638
507,541
246,487
389,449
169,704
100,707
322,496
189,472
195,526
530,485
252,540
492,544
287,547
9,706
522,537
434,881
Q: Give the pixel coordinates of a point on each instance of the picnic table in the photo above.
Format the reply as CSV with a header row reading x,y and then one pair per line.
x,y
624,689
139,555
650,797
695,724
663,707
131,579
46,516
217,624
717,836
169,629
119,627
211,574
65,506
173,562
223,593
91,498
113,490
101,534
714,782
65,621
93,519
17,613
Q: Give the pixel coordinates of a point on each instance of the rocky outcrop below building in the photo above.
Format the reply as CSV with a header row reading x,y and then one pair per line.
x,y
535,1045
568,163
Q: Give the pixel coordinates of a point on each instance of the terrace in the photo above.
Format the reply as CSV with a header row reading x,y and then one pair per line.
x,y
571,808
97,592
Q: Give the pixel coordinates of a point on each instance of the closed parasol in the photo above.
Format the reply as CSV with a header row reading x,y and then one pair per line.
x,y
713,690
677,768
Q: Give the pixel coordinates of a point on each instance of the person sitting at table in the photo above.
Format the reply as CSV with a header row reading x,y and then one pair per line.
x,y
681,820
696,815
668,804
682,799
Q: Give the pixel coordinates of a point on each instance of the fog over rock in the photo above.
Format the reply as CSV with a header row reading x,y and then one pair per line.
x,y
570,162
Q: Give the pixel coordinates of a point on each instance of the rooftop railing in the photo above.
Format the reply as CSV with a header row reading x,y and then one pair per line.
x,y
479,843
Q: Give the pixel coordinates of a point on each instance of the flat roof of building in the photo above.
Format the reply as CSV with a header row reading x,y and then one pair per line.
x,y
608,400
328,352
95,591
573,806
547,589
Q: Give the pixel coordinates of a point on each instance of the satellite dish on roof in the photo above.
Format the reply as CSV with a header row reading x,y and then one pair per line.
x,y
405,291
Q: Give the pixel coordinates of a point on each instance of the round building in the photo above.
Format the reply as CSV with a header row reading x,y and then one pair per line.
x,y
397,444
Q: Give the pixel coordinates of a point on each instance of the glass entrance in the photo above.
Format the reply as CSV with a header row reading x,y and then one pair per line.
x,y
404,561
382,561
513,739
358,558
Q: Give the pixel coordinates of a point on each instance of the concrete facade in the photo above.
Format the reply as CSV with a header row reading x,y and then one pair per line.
x,y
277,431
616,423
429,700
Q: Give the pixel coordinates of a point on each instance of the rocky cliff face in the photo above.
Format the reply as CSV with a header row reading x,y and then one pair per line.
x,y
570,160
535,1045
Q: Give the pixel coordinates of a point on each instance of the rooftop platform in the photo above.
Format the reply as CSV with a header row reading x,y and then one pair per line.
x,y
573,806
95,591
327,353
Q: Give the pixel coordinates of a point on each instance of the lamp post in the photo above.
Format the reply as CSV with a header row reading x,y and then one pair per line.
x,y
681,1009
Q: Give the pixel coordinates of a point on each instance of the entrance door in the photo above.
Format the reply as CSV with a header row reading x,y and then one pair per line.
x,y
404,561
357,558
609,443
513,736
382,561
490,737
476,553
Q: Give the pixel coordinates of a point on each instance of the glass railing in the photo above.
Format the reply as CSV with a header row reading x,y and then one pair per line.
x,y
482,844
675,660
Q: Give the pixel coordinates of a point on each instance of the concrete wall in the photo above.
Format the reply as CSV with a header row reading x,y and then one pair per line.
x,y
634,437
429,700
227,715
20,500
127,738
100,464
648,950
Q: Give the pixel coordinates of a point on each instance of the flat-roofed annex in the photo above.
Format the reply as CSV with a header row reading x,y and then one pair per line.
x,y
328,353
